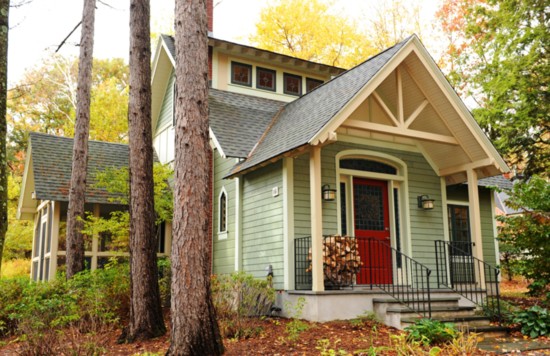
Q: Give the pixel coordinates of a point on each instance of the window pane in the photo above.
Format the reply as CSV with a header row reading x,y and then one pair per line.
x,y
265,79
223,212
312,84
241,74
367,165
293,84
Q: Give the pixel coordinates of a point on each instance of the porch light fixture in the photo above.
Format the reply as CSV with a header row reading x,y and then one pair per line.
x,y
425,202
328,194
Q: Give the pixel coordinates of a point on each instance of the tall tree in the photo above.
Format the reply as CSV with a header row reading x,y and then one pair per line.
x,y
77,192
195,329
4,28
286,27
507,66
145,307
44,100
394,20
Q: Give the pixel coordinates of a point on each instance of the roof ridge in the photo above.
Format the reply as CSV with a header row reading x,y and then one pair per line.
x,y
34,133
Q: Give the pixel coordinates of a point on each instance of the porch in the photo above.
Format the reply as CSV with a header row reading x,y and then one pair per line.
x,y
368,275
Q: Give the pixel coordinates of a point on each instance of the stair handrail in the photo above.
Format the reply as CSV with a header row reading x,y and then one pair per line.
x,y
413,292
487,296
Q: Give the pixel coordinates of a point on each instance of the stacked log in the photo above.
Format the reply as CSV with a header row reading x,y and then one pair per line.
x,y
341,260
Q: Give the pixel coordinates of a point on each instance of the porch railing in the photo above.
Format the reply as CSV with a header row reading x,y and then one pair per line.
x,y
474,279
379,265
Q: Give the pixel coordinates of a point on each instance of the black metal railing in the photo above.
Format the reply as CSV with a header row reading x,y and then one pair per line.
x,y
409,284
348,261
474,279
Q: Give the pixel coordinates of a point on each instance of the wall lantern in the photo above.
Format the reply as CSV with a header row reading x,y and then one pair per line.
x,y
425,202
328,194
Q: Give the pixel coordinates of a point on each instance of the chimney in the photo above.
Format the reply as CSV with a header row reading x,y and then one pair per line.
x,y
210,15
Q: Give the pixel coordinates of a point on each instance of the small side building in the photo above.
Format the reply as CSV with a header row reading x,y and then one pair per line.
x,y
44,199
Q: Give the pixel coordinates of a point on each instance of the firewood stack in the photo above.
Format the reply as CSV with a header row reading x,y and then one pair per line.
x,y
341,261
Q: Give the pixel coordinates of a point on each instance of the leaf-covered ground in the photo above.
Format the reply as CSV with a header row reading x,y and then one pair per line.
x,y
270,336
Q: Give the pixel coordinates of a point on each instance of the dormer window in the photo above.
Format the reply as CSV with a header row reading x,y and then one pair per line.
x,y
312,84
265,79
241,74
292,84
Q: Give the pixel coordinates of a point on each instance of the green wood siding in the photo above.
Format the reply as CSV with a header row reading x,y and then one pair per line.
x,y
166,111
460,193
262,223
224,248
425,226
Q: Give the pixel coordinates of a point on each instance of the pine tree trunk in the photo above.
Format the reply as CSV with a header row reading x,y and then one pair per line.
x,y
4,27
146,319
75,238
195,329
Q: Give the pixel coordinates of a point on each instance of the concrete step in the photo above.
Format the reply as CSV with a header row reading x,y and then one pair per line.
x,y
435,301
437,312
464,321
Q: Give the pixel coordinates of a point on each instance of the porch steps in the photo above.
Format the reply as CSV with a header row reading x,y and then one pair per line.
x,y
445,309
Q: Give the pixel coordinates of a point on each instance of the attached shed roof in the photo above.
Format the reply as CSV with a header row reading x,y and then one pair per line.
x,y
50,166
238,121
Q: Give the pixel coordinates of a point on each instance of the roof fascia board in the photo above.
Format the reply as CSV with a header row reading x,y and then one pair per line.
x,y
159,84
458,104
362,94
216,143
24,188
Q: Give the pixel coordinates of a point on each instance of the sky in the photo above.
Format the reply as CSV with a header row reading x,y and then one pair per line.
x,y
37,28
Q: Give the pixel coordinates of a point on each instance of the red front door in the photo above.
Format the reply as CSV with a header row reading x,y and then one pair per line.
x,y
372,229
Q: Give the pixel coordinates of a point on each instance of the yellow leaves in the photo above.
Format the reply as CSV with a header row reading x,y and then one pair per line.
x,y
310,30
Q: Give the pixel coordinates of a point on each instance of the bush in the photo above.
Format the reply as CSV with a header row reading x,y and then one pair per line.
x,y
238,296
431,332
89,301
534,321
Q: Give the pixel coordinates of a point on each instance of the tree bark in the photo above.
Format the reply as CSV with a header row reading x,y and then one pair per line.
x,y
4,28
75,214
146,319
195,329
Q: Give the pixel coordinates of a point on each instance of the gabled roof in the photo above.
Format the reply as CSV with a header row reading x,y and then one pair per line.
x,y
49,165
414,101
303,118
238,121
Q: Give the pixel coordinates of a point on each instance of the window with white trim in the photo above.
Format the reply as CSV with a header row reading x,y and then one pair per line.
x,y
222,213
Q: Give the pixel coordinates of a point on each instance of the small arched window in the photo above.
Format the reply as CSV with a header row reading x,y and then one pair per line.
x,y
360,164
222,218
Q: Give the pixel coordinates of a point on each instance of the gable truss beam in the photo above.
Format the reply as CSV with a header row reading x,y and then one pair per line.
x,y
416,112
385,108
467,166
401,131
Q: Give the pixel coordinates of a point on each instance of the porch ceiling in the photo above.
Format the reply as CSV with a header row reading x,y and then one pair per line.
x,y
411,106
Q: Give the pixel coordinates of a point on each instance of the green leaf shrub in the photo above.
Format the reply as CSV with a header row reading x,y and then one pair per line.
x,y
534,321
431,332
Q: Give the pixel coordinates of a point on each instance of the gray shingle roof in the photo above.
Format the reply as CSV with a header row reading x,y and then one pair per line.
x,y
496,181
301,119
238,121
52,165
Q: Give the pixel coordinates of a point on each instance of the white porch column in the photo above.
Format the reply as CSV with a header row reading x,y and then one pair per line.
x,y
288,222
475,218
54,244
238,225
316,219
95,240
